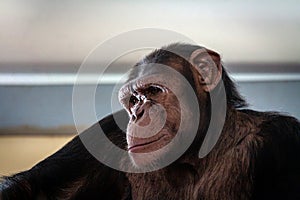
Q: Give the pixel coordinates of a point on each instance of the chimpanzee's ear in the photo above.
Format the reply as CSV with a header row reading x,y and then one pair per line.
x,y
208,65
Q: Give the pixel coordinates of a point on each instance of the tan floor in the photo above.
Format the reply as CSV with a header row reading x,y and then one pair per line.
x,y
18,153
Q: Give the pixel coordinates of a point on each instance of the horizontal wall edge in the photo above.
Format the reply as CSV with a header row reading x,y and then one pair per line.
x,y
46,79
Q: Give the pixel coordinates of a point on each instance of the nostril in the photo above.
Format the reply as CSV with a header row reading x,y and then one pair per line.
x,y
140,114
133,117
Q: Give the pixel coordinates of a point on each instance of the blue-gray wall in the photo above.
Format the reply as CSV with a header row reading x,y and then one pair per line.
x,y
51,106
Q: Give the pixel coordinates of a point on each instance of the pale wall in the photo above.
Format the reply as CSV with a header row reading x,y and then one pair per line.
x,y
19,153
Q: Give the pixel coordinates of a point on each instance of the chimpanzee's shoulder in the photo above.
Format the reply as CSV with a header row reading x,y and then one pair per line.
x,y
275,123
272,117
276,148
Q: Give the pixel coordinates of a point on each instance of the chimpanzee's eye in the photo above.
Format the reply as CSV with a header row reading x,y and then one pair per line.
x,y
133,100
154,90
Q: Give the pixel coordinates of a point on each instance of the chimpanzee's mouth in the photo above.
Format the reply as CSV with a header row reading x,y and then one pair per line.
x,y
145,146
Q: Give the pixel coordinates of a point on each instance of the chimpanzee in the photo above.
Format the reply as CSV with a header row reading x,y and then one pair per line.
x,y
172,102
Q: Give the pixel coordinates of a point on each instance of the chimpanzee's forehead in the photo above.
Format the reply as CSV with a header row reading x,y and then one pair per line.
x,y
168,68
154,73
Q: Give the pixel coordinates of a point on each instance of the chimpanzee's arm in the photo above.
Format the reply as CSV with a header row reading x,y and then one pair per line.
x,y
72,172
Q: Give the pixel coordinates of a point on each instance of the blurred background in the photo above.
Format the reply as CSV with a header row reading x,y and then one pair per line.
x,y
43,43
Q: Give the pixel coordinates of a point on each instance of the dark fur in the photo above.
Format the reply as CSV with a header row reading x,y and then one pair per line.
x,y
256,157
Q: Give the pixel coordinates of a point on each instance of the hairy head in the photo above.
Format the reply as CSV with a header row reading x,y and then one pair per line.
x,y
158,100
